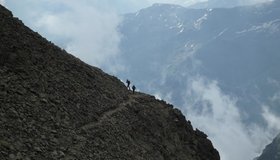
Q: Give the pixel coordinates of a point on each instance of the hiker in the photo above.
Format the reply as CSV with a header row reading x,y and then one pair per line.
x,y
133,89
128,84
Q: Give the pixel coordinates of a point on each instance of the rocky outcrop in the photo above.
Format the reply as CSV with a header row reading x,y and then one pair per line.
x,y
54,106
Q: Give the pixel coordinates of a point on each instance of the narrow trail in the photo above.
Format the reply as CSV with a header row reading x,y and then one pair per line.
x,y
105,116
108,114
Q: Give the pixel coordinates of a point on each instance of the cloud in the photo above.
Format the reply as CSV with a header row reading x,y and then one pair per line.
x,y
2,2
216,113
271,119
88,32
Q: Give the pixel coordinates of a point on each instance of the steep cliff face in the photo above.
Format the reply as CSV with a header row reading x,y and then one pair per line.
x,y
54,106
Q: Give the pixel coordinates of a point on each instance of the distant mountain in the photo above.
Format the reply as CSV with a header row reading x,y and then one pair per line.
x,y
224,3
165,46
54,106
271,151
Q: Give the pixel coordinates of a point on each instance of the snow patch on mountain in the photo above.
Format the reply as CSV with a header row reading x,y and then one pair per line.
x,y
198,23
175,23
221,33
271,27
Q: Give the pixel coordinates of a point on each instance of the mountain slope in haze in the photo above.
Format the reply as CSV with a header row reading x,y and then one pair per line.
x,y
271,151
237,47
54,106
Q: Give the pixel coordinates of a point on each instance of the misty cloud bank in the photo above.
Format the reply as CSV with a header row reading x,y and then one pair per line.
x,y
216,113
88,32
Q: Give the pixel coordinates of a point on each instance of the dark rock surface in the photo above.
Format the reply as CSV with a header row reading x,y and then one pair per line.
x,y
54,106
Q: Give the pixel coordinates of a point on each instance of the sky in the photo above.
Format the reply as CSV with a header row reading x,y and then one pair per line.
x,y
88,30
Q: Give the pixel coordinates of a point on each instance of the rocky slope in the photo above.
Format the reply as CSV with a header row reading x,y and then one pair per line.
x,y
54,106
271,151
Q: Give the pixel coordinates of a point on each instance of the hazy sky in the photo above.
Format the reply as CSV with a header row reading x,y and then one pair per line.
x,y
88,30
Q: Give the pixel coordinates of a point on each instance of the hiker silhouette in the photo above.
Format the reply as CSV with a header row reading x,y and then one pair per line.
x,y
133,89
128,84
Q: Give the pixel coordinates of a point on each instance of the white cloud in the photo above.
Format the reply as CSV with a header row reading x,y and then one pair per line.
x,y
2,2
216,113
88,32
165,97
271,119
